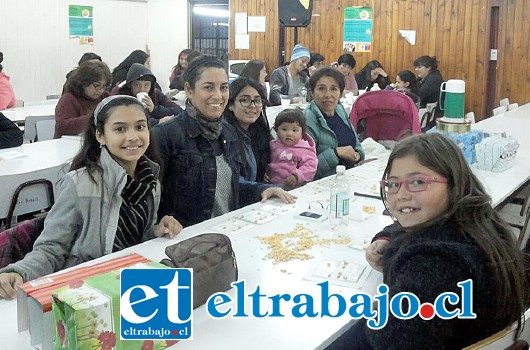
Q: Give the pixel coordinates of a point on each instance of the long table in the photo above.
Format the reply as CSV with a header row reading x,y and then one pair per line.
x,y
514,123
18,114
293,276
44,159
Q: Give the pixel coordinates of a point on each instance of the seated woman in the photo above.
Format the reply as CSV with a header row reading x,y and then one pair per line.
x,y
87,56
429,79
244,111
84,90
346,63
176,80
119,73
446,232
199,152
107,202
7,95
329,125
256,70
10,133
140,79
372,73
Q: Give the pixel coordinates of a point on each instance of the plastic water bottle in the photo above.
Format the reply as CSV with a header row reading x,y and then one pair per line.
x,y
302,92
339,204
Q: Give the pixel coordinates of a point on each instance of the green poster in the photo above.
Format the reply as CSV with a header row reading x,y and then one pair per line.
x,y
358,23
80,20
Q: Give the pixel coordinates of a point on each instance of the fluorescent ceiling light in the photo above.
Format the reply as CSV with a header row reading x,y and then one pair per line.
x,y
210,12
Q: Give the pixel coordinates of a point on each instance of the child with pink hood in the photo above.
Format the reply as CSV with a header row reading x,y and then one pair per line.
x,y
293,156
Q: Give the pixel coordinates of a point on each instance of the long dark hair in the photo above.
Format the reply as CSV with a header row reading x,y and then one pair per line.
x,y
89,72
253,69
88,155
259,131
427,62
366,71
198,65
470,208
178,69
120,72
409,77
326,72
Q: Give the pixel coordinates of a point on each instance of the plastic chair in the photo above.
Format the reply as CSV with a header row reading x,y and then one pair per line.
x,y
471,117
41,193
505,102
384,115
499,110
30,126
45,129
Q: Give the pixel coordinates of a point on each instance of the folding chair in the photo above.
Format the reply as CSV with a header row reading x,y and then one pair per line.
x,y
384,115
30,126
45,129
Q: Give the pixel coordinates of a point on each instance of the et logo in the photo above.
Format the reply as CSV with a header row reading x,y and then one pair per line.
x,y
156,304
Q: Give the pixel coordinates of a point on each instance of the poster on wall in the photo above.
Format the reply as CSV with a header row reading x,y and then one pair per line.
x,y
358,23
80,23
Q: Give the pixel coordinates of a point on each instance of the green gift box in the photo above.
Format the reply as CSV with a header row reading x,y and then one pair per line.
x,y
86,315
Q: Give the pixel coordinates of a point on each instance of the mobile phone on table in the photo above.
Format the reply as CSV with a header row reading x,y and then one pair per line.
x,y
312,216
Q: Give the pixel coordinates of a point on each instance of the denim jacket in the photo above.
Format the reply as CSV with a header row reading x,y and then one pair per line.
x,y
190,172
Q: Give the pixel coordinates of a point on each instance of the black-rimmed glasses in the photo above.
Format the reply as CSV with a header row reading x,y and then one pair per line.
x,y
413,184
99,86
247,101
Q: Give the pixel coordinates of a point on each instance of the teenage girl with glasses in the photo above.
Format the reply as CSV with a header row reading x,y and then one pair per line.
x,y
244,111
445,232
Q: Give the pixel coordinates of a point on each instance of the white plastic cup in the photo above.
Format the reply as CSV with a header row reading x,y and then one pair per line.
x,y
140,96
286,102
361,92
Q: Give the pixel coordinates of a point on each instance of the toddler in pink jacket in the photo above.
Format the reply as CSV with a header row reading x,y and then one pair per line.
x,y
293,156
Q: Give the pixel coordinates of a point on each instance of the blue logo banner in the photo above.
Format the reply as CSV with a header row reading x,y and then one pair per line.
x,y
156,304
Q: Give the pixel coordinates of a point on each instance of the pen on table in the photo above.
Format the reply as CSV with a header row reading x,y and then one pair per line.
x,y
366,195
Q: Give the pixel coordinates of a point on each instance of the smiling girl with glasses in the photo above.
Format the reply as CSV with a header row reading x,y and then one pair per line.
x,y
445,232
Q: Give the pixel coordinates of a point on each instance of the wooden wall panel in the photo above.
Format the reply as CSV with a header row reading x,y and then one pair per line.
x,y
454,31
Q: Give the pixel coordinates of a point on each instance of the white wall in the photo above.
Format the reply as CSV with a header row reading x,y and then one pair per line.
x,y
38,52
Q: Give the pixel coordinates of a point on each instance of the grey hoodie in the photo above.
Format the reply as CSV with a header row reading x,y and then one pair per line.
x,y
82,223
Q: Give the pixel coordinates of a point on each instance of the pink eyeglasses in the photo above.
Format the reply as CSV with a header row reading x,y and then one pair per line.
x,y
417,183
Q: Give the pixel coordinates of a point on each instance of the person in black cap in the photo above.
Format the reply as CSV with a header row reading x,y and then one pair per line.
x,y
141,80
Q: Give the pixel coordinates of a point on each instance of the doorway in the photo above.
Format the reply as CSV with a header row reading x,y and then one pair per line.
x,y
209,27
